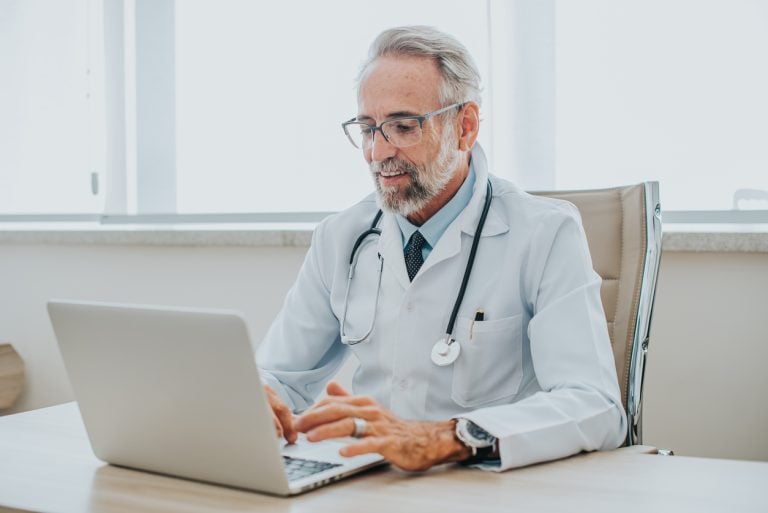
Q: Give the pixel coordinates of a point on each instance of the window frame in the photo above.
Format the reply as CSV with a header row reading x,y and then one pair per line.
x,y
138,35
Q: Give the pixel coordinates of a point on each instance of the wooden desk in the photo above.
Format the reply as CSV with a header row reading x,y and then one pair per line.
x,y
46,464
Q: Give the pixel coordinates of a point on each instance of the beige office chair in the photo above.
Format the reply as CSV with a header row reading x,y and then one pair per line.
x,y
623,227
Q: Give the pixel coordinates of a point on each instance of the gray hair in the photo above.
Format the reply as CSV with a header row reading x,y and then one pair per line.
x,y
461,80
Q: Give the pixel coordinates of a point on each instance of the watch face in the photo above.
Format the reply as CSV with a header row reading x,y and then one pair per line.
x,y
476,432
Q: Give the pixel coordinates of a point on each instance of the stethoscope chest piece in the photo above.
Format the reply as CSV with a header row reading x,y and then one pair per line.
x,y
445,353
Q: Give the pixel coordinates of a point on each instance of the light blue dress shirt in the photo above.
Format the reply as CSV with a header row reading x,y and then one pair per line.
x,y
436,225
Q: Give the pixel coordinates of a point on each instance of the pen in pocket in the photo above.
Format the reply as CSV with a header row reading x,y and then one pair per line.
x,y
479,316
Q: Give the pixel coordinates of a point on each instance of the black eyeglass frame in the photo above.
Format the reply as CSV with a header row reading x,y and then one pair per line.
x,y
372,128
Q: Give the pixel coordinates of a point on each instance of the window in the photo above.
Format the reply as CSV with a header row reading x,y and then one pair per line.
x,y
672,90
49,108
262,90
234,106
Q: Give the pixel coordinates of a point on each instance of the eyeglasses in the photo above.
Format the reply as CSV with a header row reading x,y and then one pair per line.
x,y
400,132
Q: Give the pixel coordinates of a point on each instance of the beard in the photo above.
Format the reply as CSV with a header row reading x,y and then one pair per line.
x,y
426,180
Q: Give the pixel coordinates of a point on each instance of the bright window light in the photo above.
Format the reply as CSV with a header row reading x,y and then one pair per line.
x,y
667,90
262,91
49,107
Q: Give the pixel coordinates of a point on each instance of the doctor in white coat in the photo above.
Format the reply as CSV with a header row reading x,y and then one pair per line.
x,y
524,374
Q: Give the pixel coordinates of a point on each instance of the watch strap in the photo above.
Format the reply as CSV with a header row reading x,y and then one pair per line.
x,y
483,449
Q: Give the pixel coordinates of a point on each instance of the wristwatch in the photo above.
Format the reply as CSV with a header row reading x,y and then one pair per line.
x,y
484,446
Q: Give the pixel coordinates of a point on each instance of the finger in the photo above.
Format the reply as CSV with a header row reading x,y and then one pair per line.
x,y
282,415
290,432
335,389
333,412
325,414
285,418
374,444
278,427
338,429
357,400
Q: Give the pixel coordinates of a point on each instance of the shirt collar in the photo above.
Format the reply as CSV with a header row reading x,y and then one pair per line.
x,y
436,225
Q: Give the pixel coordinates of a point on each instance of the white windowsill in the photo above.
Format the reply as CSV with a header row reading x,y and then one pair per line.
x,y
741,238
213,234
738,238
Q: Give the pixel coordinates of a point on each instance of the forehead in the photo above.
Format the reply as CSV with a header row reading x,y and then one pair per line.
x,y
399,84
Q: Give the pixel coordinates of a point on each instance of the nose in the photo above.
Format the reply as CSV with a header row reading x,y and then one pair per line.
x,y
381,149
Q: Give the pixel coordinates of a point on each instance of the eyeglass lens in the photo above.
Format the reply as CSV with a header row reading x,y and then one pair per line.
x,y
399,132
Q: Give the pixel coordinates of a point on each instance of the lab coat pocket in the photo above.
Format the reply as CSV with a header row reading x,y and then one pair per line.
x,y
490,366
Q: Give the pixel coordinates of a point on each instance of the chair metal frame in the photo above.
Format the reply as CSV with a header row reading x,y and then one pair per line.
x,y
645,313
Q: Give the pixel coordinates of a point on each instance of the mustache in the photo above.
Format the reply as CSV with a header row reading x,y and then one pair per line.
x,y
394,165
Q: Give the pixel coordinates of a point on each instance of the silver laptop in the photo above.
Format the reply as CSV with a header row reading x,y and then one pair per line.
x,y
177,391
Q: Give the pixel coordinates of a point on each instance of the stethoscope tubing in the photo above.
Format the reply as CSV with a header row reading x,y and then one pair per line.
x,y
352,341
370,231
470,262
373,230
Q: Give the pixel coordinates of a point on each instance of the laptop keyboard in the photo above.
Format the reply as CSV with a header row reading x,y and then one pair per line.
x,y
297,468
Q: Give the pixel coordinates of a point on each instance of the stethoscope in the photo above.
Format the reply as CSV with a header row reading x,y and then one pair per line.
x,y
447,349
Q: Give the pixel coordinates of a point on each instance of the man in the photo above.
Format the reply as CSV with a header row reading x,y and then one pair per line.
x,y
526,373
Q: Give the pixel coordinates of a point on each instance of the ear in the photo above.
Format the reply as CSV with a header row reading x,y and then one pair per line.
x,y
469,125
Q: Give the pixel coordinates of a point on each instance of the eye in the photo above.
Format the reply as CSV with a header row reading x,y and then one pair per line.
x,y
405,126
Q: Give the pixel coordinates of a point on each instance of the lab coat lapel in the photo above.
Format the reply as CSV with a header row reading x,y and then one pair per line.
x,y
449,244
391,249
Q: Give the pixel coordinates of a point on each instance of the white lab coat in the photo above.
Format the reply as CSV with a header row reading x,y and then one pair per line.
x,y
537,373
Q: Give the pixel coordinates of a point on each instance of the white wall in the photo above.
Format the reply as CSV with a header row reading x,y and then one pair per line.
x,y
253,281
706,384
706,380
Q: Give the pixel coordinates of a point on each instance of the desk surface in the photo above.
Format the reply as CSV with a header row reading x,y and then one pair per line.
x,y
46,464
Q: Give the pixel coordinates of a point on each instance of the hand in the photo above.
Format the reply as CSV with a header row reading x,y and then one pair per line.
x,y
282,416
409,445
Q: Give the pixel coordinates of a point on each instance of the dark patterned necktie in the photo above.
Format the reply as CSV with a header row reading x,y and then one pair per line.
x,y
413,257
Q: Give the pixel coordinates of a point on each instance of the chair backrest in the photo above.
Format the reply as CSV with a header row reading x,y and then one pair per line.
x,y
623,228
